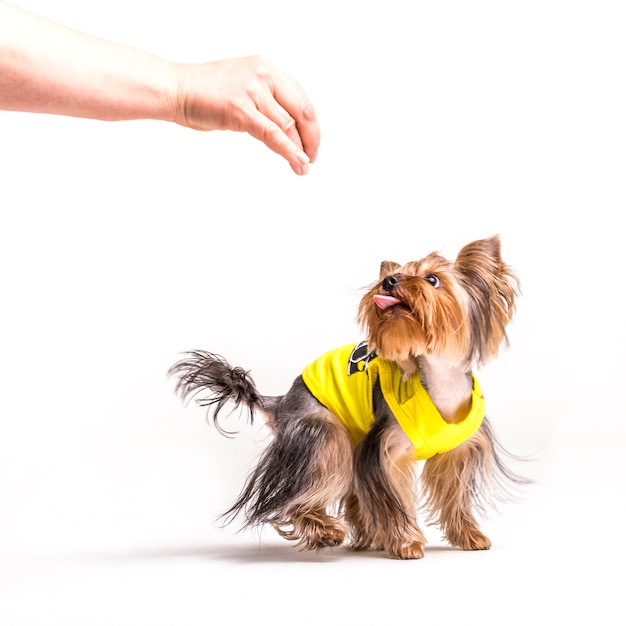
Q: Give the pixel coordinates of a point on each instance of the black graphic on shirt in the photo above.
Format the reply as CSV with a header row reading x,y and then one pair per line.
x,y
360,358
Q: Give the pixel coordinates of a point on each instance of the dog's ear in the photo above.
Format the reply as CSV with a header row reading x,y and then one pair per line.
x,y
483,253
388,267
492,287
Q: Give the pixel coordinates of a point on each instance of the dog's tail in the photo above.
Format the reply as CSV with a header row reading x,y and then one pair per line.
x,y
213,383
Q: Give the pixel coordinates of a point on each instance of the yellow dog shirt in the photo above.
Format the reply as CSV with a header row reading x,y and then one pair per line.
x,y
343,380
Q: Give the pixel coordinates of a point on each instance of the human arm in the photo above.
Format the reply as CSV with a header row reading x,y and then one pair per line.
x,y
46,67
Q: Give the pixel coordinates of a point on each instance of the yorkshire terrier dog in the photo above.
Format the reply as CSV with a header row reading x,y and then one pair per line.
x,y
342,464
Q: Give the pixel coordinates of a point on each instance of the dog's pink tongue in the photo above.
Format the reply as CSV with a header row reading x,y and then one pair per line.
x,y
384,302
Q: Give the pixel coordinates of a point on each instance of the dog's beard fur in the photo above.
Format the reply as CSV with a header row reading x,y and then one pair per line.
x,y
313,486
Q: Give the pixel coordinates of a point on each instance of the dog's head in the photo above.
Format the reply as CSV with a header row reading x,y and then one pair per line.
x,y
458,310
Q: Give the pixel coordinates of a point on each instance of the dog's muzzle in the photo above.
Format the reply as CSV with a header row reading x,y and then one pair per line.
x,y
385,301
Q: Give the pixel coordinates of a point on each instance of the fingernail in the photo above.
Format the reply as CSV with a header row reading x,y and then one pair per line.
x,y
304,160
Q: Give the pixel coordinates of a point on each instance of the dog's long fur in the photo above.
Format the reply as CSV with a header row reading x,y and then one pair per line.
x,y
313,485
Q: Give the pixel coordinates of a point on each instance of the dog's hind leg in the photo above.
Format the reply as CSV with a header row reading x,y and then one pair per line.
x,y
321,476
300,479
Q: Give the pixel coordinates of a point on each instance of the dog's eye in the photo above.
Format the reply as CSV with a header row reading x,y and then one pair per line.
x,y
433,279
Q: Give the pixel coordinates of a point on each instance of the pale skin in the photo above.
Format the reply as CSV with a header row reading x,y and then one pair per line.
x,y
46,67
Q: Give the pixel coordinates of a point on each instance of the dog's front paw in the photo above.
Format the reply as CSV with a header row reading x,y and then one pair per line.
x,y
413,550
470,539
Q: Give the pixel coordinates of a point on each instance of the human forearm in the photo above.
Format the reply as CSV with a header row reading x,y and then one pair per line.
x,y
48,68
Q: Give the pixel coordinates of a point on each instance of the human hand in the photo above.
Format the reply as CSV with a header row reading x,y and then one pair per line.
x,y
250,94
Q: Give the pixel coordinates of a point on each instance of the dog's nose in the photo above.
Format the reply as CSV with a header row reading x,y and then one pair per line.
x,y
389,282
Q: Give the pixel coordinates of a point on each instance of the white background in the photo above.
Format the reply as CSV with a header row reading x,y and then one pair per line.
x,y
124,244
